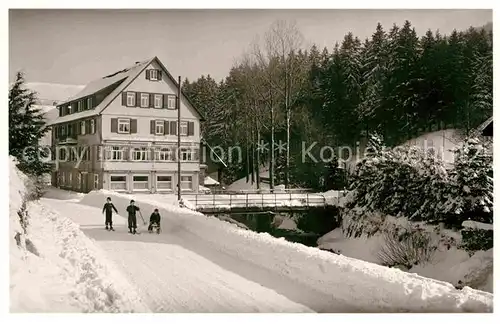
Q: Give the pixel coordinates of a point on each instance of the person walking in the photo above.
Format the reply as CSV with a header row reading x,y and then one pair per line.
x,y
132,209
108,209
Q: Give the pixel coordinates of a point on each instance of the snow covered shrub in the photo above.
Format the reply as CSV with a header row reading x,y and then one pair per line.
x,y
407,247
476,239
35,187
357,222
470,192
403,181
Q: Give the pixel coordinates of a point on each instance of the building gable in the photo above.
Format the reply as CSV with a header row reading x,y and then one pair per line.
x,y
142,84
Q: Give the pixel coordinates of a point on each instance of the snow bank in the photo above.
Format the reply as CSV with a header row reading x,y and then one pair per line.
x,y
450,265
477,225
54,267
365,286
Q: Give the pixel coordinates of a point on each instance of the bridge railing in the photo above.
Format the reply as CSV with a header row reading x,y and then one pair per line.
x,y
252,200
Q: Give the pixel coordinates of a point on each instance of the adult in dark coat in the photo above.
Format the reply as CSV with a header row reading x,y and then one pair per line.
x,y
108,208
154,219
132,217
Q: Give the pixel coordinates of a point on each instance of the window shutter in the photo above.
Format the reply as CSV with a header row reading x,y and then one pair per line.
x,y
159,74
147,75
137,99
151,100
166,128
196,154
173,128
124,98
190,128
152,127
165,101
133,126
114,125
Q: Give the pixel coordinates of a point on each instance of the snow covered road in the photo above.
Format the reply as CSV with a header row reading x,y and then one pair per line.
x,y
170,277
202,264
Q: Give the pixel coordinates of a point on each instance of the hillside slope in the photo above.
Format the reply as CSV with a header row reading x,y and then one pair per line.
x,y
54,267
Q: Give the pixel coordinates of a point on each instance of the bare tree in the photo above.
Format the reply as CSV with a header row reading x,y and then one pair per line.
x,y
282,41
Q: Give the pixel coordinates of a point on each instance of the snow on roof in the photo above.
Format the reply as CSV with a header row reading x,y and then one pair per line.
x,y
125,77
108,80
209,181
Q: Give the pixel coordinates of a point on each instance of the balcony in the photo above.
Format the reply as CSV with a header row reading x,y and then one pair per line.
x,y
69,139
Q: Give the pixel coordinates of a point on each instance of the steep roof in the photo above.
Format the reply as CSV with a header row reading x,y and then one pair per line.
x,y
123,78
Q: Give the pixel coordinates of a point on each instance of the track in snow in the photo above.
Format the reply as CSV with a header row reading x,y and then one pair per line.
x,y
177,271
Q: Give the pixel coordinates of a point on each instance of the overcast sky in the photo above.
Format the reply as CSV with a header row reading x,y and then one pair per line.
x,y
78,46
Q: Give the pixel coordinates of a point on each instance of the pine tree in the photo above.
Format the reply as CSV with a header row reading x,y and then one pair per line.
x,y
471,192
26,128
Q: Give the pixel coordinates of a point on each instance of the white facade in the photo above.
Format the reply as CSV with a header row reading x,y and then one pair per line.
x,y
135,137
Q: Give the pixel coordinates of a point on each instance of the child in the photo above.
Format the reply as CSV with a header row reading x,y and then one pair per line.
x,y
154,219
108,208
132,218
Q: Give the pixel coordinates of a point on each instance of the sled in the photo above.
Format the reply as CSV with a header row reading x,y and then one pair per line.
x,y
155,229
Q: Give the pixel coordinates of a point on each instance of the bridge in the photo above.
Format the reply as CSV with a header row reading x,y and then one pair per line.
x,y
231,203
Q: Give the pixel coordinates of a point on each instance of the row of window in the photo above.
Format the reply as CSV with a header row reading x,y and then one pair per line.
x,y
76,128
157,127
65,179
117,153
149,100
75,154
142,182
77,106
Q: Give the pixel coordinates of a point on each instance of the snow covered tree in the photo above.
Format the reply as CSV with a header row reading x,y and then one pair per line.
x,y
26,128
470,194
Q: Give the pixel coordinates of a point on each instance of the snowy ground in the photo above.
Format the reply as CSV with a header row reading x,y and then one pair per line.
x,y
450,265
200,263
174,272
54,267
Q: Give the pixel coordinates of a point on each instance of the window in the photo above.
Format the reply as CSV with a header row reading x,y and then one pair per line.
x,y
124,126
131,99
144,100
186,182
118,182
140,154
171,102
63,131
184,128
163,182
89,103
70,109
158,101
114,153
165,154
92,126
159,127
80,106
82,127
187,154
141,182
153,75
96,181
